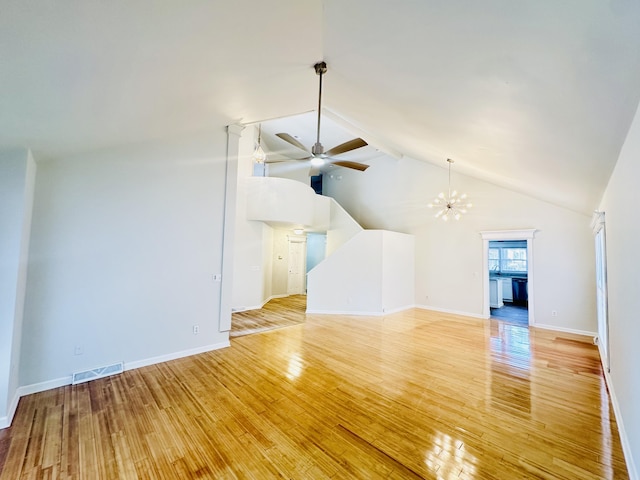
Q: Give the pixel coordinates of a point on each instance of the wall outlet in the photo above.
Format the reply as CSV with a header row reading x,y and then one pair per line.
x,y
196,329
78,350
554,313
216,277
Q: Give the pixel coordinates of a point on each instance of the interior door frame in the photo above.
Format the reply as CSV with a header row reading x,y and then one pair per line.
x,y
493,235
301,240
602,294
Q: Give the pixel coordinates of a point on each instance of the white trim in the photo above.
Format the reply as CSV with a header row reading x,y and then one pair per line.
x,y
522,234
174,356
565,330
395,310
228,225
5,422
527,234
389,311
257,307
624,439
42,386
453,312
361,313
376,313
597,221
346,312
602,294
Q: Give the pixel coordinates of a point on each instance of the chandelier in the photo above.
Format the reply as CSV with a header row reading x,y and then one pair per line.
x,y
451,205
258,154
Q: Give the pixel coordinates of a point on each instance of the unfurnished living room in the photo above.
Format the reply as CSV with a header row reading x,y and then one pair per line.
x,y
319,239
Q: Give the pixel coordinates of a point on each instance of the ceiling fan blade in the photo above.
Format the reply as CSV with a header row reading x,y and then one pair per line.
x,y
347,164
289,139
347,147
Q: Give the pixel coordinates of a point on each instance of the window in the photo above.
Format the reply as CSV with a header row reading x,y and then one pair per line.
x,y
507,257
494,259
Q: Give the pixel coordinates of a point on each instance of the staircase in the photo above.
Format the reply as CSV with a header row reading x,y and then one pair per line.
x,y
365,272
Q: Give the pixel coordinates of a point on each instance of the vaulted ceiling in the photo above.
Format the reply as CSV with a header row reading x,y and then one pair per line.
x,y
536,96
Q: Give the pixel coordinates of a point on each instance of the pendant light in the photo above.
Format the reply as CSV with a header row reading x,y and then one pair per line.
x,y
450,205
259,156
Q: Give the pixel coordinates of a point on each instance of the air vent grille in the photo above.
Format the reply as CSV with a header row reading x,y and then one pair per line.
x,y
100,372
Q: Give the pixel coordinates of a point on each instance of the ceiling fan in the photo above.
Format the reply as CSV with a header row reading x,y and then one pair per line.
x,y
317,155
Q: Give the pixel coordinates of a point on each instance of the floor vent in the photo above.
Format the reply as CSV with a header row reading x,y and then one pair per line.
x,y
101,372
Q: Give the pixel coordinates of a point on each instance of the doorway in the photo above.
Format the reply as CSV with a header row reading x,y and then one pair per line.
x,y
508,281
316,249
508,276
296,284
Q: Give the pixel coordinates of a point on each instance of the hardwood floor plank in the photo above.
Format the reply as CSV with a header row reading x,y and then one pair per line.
x,y
416,394
277,313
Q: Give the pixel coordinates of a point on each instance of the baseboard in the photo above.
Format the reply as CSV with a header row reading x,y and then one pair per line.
x,y
624,439
345,312
174,356
396,310
361,312
565,330
5,422
453,312
42,386
259,306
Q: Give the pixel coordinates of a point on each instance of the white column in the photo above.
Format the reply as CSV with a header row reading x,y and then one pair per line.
x,y
231,188
17,181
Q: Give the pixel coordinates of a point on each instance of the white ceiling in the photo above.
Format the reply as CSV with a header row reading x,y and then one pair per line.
x,y
536,95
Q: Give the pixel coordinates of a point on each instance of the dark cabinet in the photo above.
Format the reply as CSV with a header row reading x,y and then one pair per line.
x,y
520,295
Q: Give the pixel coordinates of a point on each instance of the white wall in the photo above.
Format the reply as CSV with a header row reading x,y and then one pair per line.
x,y
370,274
291,169
398,271
357,286
343,227
622,224
394,195
281,201
123,246
17,179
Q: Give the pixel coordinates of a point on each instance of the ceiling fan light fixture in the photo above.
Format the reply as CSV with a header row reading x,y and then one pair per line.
x,y
450,205
317,155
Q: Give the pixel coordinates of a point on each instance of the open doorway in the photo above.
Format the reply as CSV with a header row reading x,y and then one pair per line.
x,y
508,275
508,281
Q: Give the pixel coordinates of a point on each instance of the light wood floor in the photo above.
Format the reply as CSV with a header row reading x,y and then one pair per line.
x,y
276,313
411,395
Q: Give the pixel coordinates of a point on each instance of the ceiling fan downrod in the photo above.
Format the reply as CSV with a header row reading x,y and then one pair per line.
x,y
321,69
